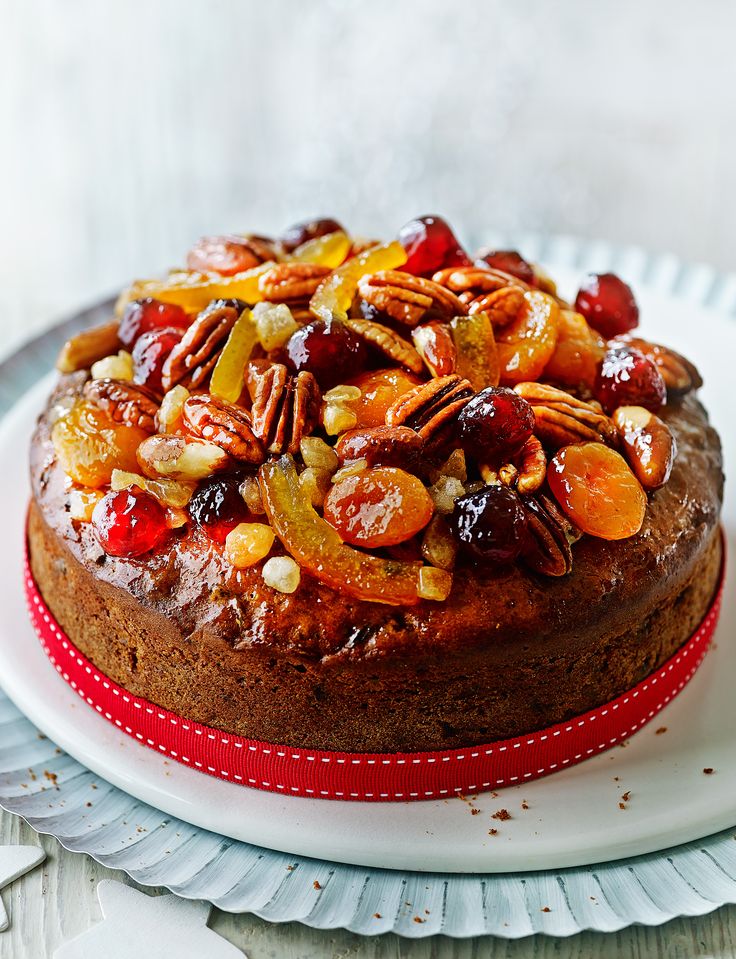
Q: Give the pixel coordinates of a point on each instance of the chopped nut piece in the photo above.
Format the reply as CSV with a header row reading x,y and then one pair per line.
x,y
444,493
648,443
342,394
315,452
282,573
177,457
337,418
248,544
454,465
316,483
168,418
118,366
439,546
84,349
436,347
82,503
251,493
275,324
434,583
351,469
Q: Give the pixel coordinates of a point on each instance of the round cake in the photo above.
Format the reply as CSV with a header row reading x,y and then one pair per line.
x,y
383,497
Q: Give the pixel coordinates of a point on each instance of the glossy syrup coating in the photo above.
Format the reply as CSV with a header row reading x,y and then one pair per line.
x,y
218,507
149,355
608,304
496,421
628,378
490,523
147,315
129,523
329,351
431,245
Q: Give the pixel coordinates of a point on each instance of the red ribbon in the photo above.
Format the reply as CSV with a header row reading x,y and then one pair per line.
x,y
370,776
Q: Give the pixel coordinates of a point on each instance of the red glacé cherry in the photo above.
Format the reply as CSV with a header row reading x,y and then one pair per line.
x,y
511,262
628,378
129,523
218,507
149,355
143,316
430,245
491,523
330,351
608,304
307,230
496,421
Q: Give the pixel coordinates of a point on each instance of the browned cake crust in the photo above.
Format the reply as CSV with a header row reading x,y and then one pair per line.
x,y
508,653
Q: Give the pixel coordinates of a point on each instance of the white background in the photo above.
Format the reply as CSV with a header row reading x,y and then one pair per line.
x,y
129,129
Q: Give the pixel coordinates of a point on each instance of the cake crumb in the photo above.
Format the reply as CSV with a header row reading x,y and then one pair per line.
x,y
289,868
316,885
502,814
622,805
419,919
662,729
494,832
626,796
474,811
546,909
709,770
377,915
524,804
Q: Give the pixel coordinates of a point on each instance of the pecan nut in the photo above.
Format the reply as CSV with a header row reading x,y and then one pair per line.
x,y
224,424
561,418
679,374
395,347
194,357
406,298
436,346
550,536
124,402
84,349
291,281
431,408
381,446
525,473
285,407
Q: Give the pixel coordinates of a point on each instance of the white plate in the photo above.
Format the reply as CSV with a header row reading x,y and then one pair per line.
x,y
573,816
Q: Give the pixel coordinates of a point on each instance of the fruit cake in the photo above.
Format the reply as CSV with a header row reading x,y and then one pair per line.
x,y
365,496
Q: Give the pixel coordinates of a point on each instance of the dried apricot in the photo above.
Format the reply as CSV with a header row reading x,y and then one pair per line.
x,y
596,488
527,343
90,445
378,507
379,389
578,352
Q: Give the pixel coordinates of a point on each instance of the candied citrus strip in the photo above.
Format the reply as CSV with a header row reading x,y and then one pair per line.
x,y
193,291
228,377
327,250
477,353
334,295
317,547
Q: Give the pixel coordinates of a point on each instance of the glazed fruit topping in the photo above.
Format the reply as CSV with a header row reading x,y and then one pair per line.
x,y
627,378
595,487
129,523
328,350
148,316
608,304
225,255
378,507
491,523
495,422
386,410
303,232
431,245
149,355
511,262
218,507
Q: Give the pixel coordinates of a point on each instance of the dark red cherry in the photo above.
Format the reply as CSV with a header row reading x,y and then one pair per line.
x,y
149,355
430,245
628,378
143,316
608,304
491,523
218,507
495,422
330,351
129,523
307,230
509,261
